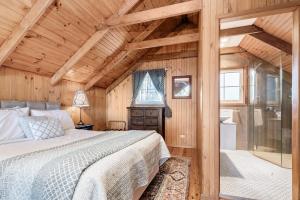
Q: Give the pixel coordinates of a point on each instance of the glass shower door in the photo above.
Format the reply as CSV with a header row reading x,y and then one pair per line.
x,y
267,114
270,99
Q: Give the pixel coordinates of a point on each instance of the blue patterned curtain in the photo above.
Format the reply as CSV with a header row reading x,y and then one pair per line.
x,y
138,78
158,76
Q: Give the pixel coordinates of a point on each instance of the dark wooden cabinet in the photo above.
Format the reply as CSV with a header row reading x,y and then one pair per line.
x,y
147,118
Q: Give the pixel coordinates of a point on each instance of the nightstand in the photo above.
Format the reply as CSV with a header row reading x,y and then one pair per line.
x,y
85,126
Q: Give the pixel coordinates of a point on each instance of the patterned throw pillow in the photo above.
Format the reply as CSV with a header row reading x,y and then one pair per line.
x,y
24,124
44,128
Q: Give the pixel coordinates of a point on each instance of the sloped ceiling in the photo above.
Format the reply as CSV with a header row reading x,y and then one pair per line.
x,y
65,27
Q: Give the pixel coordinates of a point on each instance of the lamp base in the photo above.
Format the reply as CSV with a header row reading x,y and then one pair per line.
x,y
80,123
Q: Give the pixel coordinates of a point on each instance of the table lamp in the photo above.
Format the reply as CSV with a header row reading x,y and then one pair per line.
x,y
80,100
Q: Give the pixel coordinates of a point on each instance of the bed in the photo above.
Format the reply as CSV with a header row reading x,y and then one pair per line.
x,y
81,164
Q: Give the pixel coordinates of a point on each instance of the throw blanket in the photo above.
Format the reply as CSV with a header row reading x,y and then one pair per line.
x,y
54,173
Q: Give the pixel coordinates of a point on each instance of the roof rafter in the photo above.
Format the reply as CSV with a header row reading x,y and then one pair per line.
x,y
179,39
240,30
156,13
90,43
135,65
121,54
273,41
17,35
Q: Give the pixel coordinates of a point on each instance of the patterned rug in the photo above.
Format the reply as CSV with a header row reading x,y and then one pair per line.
x,y
172,181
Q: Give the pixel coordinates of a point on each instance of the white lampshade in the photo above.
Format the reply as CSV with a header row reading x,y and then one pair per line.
x,y
80,99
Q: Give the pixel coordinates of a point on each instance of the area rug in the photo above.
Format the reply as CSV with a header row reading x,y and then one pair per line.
x,y
172,181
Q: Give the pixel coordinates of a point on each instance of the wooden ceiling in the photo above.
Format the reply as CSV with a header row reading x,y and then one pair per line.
x,y
280,27
87,41
67,25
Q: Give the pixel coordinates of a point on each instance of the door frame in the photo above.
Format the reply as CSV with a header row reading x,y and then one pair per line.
x,y
285,8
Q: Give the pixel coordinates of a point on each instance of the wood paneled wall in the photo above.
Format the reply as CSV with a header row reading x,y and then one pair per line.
x,y
20,85
208,134
181,128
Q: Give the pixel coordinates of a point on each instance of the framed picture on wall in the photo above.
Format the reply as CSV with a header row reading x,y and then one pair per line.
x,y
182,87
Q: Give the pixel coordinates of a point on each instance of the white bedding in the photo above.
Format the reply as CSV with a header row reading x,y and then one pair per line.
x,y
99,176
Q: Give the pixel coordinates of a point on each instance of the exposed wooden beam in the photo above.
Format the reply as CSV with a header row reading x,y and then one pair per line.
x,y
90,43
171,56
186,38
240,30
231,50
274,41
156,13
121,54
19,32
135,65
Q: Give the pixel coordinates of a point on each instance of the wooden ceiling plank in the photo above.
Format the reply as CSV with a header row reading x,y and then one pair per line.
x,y
77,56
274,41
90,43
156,13
180,39
34,14
240,30
111,63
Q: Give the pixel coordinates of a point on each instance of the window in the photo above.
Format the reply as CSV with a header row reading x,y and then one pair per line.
x,y
231,86
148,93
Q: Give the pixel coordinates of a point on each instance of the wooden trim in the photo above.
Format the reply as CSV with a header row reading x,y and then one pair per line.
x,y
260,12
240,30
209,116
296,106
90,43
180,39
19,32
173,83
273,41
156,13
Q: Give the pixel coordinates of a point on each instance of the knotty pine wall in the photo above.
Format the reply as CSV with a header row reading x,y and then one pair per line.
x,y
20,85
180,130
208,133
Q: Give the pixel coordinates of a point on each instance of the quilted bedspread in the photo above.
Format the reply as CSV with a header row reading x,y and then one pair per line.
x,y
54,173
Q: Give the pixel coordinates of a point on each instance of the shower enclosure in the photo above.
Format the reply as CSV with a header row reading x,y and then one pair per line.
x,y
270,112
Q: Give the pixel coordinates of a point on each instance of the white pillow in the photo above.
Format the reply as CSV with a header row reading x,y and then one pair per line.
x,y
9,125
44,128
62,115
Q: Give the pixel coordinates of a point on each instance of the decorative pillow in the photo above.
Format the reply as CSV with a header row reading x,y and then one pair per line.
x,y
9,125
62,115
43,128
24,124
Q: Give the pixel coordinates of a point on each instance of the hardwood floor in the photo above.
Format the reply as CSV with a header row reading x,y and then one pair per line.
x,y
194,188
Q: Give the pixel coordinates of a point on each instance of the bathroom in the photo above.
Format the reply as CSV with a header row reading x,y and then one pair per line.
x,y
255,117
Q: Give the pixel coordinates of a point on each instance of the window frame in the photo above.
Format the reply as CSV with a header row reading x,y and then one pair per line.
x,y
152,104
243,92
